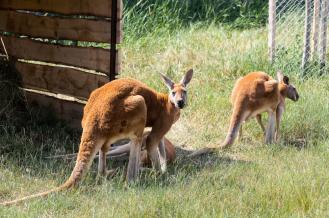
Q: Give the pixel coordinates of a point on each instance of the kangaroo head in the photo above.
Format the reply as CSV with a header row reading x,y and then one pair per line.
x,y
286,89
178,91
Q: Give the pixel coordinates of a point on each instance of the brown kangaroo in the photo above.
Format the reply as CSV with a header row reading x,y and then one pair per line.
x,y
122,109
252,95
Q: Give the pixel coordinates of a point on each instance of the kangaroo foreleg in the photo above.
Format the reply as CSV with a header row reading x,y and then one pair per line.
x,y
162,155
155,151
156,156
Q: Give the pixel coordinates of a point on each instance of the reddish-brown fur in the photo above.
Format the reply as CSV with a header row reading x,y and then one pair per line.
x,y
252,95
170,153
122,109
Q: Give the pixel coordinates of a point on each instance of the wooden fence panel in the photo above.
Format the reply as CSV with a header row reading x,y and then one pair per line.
x,y
67,110
85,57
57,79
57,28
68,7
62,89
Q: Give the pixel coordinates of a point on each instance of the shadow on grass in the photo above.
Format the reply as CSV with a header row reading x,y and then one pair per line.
x,y
28,135
27,159
185,169
299,143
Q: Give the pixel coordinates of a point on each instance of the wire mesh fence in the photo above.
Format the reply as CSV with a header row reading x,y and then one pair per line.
x,y
300,35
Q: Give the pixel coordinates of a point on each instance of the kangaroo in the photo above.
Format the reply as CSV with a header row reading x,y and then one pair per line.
x,y
252,95
165,147
122,109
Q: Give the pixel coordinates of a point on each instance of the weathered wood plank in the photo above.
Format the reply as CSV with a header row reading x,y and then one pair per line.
x,y
61,80
84,57
57,28
69,111
68,7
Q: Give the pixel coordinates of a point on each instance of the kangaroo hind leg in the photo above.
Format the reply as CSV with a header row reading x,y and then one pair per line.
x,y
279,112
138,116
134,159
237,118
102,167
270,130
259,121
240,133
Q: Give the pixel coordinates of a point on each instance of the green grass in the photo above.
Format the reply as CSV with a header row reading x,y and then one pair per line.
x,y
157,16
289,179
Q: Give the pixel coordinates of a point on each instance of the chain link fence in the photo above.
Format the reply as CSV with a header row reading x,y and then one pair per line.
x,y
299,35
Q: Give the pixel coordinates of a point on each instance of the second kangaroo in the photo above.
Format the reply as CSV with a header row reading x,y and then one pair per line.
x,y
252,95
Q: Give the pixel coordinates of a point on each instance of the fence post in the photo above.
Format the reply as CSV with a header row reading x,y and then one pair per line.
x,y
307,34
271,29
323,34
113,46
316,21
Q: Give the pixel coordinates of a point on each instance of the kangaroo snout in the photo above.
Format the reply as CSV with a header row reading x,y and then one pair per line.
x,y
180,104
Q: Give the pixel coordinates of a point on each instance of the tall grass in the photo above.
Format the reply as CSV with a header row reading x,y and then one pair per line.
x,y
159,17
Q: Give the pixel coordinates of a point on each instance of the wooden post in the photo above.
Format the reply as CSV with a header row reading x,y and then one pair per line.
x,y
316,23
323,34
113,48
307,34
271,29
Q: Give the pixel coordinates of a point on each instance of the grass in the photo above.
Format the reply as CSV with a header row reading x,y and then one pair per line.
x,y
149,16
289,179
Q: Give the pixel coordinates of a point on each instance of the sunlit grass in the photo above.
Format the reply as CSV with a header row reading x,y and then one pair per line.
x,y
288,179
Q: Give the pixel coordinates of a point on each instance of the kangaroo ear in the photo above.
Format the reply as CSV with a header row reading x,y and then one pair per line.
x,y
187,78
286,80
279,76
169,83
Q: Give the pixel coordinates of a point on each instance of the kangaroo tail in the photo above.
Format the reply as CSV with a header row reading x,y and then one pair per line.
x,y
236,120
41,194
87,152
